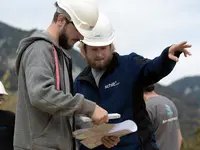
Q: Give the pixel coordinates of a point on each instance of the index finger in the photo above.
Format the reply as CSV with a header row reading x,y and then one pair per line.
x,y
182,43
114,137
106,118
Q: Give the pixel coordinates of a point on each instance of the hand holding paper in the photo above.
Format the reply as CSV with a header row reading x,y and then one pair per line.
x,y
110,141
100,115
92,137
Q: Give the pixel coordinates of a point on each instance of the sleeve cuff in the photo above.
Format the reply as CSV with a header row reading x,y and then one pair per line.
x,y
88,107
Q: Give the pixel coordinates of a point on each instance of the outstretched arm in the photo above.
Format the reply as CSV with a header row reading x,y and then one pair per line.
x,y
151,71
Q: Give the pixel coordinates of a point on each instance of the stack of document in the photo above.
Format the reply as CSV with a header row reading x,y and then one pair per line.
x,y
91,137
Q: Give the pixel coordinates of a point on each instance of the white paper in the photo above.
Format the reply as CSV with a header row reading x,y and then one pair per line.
x,y
126,125
91,137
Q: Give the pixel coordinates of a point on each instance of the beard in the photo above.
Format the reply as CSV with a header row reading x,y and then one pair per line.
x,y
101,66
63,40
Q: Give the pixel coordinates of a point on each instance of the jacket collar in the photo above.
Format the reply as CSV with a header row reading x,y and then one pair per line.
x,y
86,74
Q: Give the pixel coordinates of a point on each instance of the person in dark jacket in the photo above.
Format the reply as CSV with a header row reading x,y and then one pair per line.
x,y
116,83
7,122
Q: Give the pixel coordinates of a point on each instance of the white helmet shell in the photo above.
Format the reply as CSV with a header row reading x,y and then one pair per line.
x,y
84,13
2,89
102,34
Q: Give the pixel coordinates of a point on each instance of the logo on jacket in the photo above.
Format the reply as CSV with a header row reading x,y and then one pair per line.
x,y
169,113
169,110
115,83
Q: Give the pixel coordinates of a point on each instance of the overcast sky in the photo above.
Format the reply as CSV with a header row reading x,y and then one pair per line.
x,y
142,26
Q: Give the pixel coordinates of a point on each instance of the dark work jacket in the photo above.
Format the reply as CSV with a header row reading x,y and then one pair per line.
x,y
121,91
7,122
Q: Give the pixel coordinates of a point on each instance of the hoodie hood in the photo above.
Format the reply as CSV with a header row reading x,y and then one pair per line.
x,y
25,43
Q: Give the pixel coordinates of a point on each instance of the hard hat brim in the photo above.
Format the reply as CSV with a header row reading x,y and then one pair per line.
x,y
2,89
83,32
4,93
98,43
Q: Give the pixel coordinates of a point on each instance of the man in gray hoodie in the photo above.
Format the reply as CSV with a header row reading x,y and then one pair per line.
x,y
46,107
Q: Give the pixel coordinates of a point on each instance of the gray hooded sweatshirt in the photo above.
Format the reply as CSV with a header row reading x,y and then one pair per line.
x,y
43,113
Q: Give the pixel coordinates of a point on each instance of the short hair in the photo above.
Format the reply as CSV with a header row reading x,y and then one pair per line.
x,y
60,11
149,88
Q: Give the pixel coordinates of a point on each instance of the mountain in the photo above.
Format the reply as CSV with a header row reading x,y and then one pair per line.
x,y
9,40
184,92
184,84
188,86
188,108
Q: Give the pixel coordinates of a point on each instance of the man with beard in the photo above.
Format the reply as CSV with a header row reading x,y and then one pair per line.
x,y
46,103
116,83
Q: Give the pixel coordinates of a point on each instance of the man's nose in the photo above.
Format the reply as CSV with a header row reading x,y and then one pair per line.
x,y
79,35
99,52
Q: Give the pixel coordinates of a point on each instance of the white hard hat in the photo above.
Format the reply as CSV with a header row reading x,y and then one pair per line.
x,y
102,34
2,89
83,13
